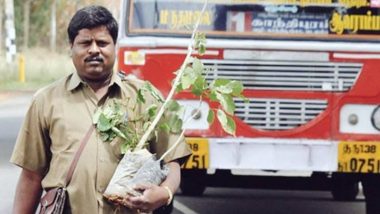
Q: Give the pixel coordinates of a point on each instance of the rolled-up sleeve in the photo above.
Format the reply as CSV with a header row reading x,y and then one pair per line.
x,y
166,141
31,150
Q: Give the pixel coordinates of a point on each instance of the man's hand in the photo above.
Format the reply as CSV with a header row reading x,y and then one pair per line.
x,y
152,197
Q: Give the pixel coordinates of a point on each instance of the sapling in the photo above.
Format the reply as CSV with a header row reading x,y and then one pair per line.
x,y
140,166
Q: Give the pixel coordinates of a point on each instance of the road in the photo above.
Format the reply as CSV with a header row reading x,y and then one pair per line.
x,y
214,200
12,110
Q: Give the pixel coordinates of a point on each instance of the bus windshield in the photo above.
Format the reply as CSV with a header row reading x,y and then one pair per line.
x,y
299,19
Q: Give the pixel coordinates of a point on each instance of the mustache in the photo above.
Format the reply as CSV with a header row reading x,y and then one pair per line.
x,y
94,58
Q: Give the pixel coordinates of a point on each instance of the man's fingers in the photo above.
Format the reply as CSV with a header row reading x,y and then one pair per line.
x,y
138,200
142,187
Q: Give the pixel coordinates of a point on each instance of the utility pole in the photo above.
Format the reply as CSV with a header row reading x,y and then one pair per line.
x,y
10,40
26,8
53,25
1,25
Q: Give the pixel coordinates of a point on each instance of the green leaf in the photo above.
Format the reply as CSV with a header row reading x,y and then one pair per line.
x,y
179,88
187,78
152,110
202,49
210,116
212,96
222,117
199,86
165,127
104,123
237,87
227,102
175,123
140,96
231,126
153,91
200,42
228,124
119,133
219,82
226,86
225,89
173,105
197,66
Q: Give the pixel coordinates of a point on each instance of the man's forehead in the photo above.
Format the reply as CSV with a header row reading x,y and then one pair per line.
x,y
93,32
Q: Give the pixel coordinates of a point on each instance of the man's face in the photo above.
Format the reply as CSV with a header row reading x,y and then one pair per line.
x,y
93,53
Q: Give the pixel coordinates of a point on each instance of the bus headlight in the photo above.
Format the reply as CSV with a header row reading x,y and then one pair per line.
x,y
359,119
353,119
375,118
195,114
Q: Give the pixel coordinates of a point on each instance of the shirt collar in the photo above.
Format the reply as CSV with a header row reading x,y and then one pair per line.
x,y
75,81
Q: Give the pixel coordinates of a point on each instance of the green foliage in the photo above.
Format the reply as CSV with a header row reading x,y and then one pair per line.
x,y
226,121
40,18
147,87
200,43
210,116
171,121
111,122
222,91
111,119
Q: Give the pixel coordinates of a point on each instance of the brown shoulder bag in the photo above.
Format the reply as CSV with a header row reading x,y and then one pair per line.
x,y
53,202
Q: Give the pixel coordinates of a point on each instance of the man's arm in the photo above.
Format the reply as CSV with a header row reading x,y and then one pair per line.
x,y
173,179
28,192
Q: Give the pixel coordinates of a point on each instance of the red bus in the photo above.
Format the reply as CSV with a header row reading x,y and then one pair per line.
x,y
310,72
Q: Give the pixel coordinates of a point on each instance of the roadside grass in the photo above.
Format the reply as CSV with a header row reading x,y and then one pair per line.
x,y
41,68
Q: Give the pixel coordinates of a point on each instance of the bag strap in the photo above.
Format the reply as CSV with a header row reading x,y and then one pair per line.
x,y
77,155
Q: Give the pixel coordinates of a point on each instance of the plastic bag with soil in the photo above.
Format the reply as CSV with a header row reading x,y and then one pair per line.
x,y
138,167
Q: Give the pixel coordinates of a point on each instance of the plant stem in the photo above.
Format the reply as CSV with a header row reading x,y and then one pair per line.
x,y
119,133
152,126
183,131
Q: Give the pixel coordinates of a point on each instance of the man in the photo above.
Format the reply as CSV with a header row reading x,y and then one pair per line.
x,y
61,113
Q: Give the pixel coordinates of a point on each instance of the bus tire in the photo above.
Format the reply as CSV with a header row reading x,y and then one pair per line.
x,y
193,182
344,187
371,186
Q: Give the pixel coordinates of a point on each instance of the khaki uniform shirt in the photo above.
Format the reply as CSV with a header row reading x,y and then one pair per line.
x,y
57,120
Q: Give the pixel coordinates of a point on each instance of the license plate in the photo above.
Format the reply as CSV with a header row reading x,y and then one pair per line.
x,y
359,157
200,157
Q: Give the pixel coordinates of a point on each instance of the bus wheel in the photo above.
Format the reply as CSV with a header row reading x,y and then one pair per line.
x,y
193,182
371,185
344,187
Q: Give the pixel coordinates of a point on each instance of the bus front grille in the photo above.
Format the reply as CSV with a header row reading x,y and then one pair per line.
x,y
278,114
286,75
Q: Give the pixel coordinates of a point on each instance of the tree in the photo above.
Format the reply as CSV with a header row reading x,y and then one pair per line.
x,y
43,23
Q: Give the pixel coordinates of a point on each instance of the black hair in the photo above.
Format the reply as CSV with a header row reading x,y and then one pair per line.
x,y
91,17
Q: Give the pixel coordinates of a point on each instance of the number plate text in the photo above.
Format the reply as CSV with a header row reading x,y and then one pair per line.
x,y
359,157
200,157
